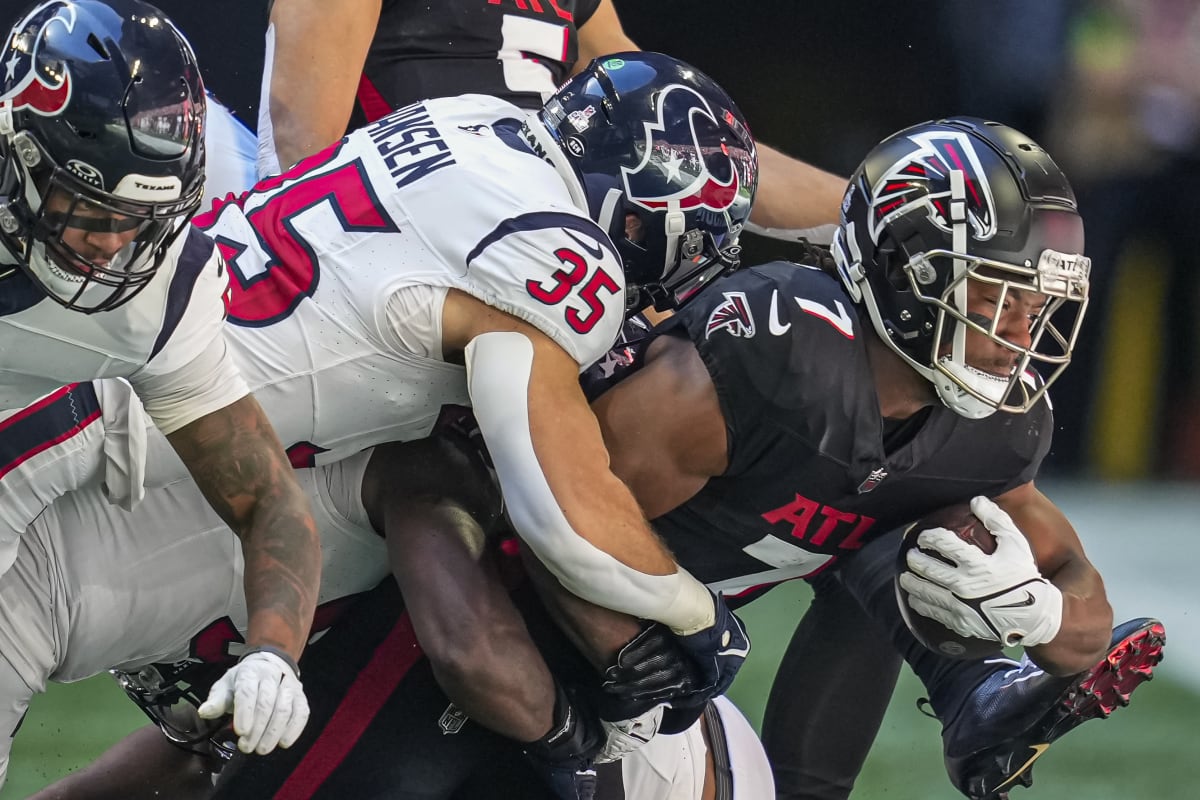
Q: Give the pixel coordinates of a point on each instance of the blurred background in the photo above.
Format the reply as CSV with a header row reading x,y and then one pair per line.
x,y
1111,88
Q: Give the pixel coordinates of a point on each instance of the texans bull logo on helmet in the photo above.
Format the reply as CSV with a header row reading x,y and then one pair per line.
x,y
922,179
672,149
46,91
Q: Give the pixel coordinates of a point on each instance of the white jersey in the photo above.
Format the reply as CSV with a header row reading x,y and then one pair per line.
x,y
167,341
94,587
338,269
337,272
673,767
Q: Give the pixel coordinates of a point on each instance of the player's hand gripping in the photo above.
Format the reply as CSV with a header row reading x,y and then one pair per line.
x,y
718,650
651,671
999,597
264,694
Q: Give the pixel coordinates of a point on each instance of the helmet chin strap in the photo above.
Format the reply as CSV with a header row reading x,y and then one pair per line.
x,y
949,380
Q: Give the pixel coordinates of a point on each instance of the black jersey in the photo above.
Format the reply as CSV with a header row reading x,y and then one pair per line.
x,y
809,478
519,50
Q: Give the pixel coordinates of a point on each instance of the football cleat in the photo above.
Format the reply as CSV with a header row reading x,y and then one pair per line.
x,y
1004,726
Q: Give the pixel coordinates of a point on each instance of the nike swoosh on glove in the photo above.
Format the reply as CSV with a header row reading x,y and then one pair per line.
x,y
999,597
268,704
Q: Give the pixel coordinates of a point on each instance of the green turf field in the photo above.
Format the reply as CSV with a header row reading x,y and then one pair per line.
x,y
1146,752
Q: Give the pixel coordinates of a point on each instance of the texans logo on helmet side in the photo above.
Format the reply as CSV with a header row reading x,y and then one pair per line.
x,y
733,316
922,179
674,147
24,86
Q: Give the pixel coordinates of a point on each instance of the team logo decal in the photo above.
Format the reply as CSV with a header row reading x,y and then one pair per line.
x,y
44,91
733,316
923,179
452,720
673,149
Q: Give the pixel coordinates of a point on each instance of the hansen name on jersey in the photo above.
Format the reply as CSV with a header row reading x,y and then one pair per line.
x,y
327,263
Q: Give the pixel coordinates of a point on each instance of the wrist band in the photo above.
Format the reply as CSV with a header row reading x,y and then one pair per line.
x,y
275,651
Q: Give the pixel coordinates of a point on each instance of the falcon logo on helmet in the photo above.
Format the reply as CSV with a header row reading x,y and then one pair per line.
x,y
673,146
922,181
23,86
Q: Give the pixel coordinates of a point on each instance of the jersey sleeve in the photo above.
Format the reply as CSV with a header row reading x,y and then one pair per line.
x,y
557,271
764,334
584,10
190,372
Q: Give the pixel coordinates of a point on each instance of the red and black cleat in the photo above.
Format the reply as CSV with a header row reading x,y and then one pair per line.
x,y
989,772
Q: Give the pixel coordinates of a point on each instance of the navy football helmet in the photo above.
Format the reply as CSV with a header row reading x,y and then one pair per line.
x,y
668,166
101,147
955,206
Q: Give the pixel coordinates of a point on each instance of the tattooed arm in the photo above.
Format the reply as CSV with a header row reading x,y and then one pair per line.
x,y
239,464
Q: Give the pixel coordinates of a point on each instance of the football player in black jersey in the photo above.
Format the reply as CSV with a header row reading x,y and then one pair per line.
x,y
394,52
786,418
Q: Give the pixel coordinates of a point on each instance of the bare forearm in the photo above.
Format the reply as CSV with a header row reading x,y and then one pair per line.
x,y
312,88
1086,624
240,466
793,194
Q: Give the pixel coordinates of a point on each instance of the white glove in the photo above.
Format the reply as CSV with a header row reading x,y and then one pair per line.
x,y
999,597
264,694
626,735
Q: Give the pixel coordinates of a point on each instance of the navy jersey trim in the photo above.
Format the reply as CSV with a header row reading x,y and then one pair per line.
x,y
543,220
53,419
192,258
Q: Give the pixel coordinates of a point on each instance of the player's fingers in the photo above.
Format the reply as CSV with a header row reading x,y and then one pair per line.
x,y
277,720
991,515
930,568
949,544
245,695
219,700
919,588
217,703
263,708
299,719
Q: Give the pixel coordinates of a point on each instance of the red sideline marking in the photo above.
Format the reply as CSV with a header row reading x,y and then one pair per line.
x,y
371,689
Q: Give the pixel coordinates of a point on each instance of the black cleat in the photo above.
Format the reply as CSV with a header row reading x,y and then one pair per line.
x,y
985,759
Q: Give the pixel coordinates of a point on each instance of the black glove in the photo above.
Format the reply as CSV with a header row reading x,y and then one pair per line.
x,y
718,650
651,669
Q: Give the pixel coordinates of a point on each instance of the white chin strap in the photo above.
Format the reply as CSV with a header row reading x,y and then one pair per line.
x,y
958,399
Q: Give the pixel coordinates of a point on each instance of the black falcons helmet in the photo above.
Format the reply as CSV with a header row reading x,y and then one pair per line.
x,y
650,136
101,134
940,206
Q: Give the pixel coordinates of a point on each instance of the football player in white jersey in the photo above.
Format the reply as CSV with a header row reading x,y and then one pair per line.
x,y
101,166
459,251
95,587
67,589
462,233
